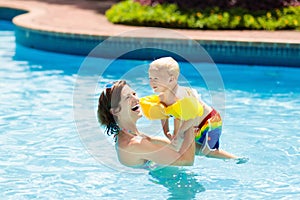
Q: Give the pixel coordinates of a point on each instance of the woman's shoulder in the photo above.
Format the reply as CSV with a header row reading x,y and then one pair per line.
x,y
145,144
133,143
129,153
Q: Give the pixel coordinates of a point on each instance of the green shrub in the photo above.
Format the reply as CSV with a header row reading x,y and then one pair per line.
x,y
226,4
171,16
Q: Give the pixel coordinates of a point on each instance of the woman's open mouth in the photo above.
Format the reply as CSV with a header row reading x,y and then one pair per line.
x,y
135,108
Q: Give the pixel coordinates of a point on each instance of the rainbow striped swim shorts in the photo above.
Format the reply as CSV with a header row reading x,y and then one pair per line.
x,y
209,130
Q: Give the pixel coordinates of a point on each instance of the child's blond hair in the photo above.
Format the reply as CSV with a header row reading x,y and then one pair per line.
x,y
167,63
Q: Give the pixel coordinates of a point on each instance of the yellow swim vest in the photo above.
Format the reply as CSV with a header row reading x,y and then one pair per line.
x,y
183,109
152,108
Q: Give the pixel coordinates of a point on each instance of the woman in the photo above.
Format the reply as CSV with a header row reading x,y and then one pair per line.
x,y
119,110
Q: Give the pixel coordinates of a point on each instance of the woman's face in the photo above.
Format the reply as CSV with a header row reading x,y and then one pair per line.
x,y
129,105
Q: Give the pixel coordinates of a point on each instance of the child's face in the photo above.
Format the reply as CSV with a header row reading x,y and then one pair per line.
x,y
160,80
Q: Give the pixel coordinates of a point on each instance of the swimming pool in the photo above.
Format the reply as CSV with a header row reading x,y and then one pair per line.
x,y
43,156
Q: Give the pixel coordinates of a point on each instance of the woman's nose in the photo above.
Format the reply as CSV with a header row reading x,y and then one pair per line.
x,y
135,97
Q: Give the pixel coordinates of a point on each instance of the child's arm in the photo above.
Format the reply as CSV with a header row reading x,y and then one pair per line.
x,y
165,125
165,122
177,124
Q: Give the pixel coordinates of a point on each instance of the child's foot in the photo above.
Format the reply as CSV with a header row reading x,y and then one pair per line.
x,y
241,160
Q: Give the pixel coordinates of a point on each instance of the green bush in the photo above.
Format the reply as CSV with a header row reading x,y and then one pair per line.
x,y
226,4
171,16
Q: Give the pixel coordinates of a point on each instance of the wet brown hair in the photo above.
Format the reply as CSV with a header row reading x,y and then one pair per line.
x,y
110,98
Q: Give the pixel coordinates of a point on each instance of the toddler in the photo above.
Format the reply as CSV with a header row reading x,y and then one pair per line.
x,y
184,105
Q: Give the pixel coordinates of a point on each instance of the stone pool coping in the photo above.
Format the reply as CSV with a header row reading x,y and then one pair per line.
x,y
77,26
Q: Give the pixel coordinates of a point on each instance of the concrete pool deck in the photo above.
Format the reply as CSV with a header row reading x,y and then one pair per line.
x,y
86,18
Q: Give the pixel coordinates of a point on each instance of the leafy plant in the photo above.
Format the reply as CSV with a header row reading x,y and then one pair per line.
x,y
171,16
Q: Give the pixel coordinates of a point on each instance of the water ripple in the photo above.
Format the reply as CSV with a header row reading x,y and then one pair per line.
x,y
47,154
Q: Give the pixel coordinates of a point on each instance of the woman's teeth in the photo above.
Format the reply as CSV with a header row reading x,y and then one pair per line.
x,y
136,107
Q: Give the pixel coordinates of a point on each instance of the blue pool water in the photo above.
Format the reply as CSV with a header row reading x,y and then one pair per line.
x,y
44,137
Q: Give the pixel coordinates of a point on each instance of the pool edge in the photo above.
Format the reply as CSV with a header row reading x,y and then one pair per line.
x,y
233,52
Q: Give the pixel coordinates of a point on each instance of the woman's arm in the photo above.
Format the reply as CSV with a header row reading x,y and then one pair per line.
x,y
160,152
189,146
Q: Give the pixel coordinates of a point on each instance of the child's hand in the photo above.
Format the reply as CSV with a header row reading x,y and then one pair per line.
x,y
169,136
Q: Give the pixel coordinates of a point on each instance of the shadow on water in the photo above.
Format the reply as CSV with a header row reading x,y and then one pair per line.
x,y
36,60
181,183
41,60
6,25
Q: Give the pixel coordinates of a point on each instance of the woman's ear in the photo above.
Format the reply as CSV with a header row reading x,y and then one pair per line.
x,y
114,111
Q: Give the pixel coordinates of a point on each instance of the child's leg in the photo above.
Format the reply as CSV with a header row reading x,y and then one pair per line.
x,y
217,153
210,146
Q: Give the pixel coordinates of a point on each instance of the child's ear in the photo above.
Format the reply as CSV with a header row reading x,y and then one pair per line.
x,y
172,78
